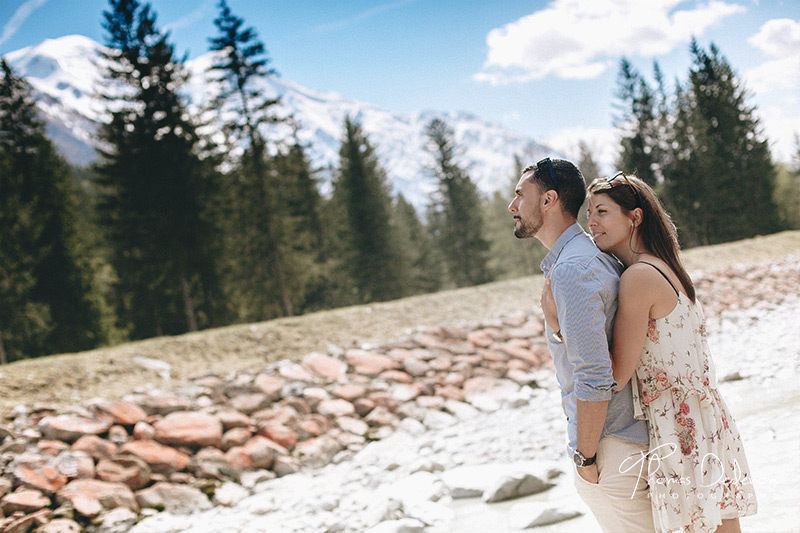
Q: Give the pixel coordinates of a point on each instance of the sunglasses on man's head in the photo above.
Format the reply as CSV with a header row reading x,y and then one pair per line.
x,y
620,174
549,163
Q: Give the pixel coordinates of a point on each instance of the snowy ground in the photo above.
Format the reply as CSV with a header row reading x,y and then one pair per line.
x,y
412,473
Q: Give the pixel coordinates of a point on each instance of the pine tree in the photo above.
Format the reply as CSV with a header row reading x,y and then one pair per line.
x,y
590,171
367,254
682,185
420,262
787,190
301,201
49,301
721,176
154,189
456,215
661,132
241,66
587,165
23,322
639,123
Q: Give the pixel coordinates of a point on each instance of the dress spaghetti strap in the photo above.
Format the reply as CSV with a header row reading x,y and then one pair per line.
x,y
665,276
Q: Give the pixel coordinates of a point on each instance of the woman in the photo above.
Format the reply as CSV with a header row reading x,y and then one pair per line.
x,y
697,471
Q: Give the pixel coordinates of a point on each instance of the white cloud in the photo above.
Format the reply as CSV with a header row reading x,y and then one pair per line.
x,y
777,74
780,127
780,40
580,39
776,82
20,15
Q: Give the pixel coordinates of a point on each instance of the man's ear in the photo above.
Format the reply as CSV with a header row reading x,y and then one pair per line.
x,y
550,197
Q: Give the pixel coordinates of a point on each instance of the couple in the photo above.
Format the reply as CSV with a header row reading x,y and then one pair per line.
x,y
654,445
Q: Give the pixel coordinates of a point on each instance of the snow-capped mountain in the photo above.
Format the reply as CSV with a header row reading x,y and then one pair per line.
x,y
66,78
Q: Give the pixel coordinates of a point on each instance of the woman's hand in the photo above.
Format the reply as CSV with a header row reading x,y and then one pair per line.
x,y
549,306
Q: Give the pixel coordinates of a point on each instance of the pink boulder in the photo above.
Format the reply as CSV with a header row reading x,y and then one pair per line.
x,y
162,459
89,497
368,363
40,476
325,365
122,413
283,435
235,437
189,428
25,501
95,446
129,469
70,428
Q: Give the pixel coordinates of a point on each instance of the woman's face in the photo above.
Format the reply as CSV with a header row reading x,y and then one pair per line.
x,y
609,225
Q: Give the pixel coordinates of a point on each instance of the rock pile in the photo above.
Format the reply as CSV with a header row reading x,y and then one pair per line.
x,y
747,286
104,465
174,450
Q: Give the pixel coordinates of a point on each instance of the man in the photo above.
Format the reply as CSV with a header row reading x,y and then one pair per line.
x,y
605,441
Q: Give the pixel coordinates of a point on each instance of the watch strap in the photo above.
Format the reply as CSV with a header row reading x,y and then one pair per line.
x,y
581,461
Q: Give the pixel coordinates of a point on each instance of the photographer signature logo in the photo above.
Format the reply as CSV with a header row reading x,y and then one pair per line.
x,y
713,470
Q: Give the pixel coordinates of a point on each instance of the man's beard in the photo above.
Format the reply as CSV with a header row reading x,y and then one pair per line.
x,y
527,229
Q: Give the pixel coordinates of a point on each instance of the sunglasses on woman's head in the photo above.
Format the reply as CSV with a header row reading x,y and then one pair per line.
x,y
620,174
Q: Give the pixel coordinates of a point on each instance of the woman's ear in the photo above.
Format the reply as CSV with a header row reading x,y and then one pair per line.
x,y
638,215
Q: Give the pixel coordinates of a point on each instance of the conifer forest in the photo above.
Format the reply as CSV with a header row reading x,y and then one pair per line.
x,y
170,231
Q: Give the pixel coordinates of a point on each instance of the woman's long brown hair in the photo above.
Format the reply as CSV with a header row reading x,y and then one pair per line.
x,y
657,229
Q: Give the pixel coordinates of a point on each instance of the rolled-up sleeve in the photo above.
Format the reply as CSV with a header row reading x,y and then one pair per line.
x,y
580,299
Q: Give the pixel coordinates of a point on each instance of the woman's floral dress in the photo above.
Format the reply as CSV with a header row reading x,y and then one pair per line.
x,y
696,465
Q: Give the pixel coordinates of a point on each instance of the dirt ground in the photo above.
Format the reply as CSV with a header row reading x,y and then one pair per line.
x,y
71,379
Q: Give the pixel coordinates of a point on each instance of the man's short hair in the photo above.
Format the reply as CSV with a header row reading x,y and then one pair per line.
x,y
569,183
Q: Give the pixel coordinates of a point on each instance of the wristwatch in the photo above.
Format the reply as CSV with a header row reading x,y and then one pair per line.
x,y
580,460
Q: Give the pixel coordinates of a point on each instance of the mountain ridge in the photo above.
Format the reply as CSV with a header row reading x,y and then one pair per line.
x,y
65,75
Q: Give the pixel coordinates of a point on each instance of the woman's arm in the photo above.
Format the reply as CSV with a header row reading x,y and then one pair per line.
x,y
637,295
549,307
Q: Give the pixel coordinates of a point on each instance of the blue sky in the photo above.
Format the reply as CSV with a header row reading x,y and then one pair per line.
x,y
543,68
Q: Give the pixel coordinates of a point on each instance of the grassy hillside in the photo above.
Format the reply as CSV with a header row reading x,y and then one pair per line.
x,y
67,379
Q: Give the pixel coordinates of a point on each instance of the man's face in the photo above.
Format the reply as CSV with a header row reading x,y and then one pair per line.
x,y
526,208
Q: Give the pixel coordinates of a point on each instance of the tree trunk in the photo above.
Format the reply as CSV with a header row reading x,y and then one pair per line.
x,y
3,360
188,306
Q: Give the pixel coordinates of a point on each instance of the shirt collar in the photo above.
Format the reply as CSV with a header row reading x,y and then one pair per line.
x,y
552,256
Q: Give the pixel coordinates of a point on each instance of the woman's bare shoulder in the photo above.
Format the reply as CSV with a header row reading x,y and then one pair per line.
x,y
642,282
640,273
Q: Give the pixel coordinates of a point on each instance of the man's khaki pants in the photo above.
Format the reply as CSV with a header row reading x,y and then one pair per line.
x,y
621,500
